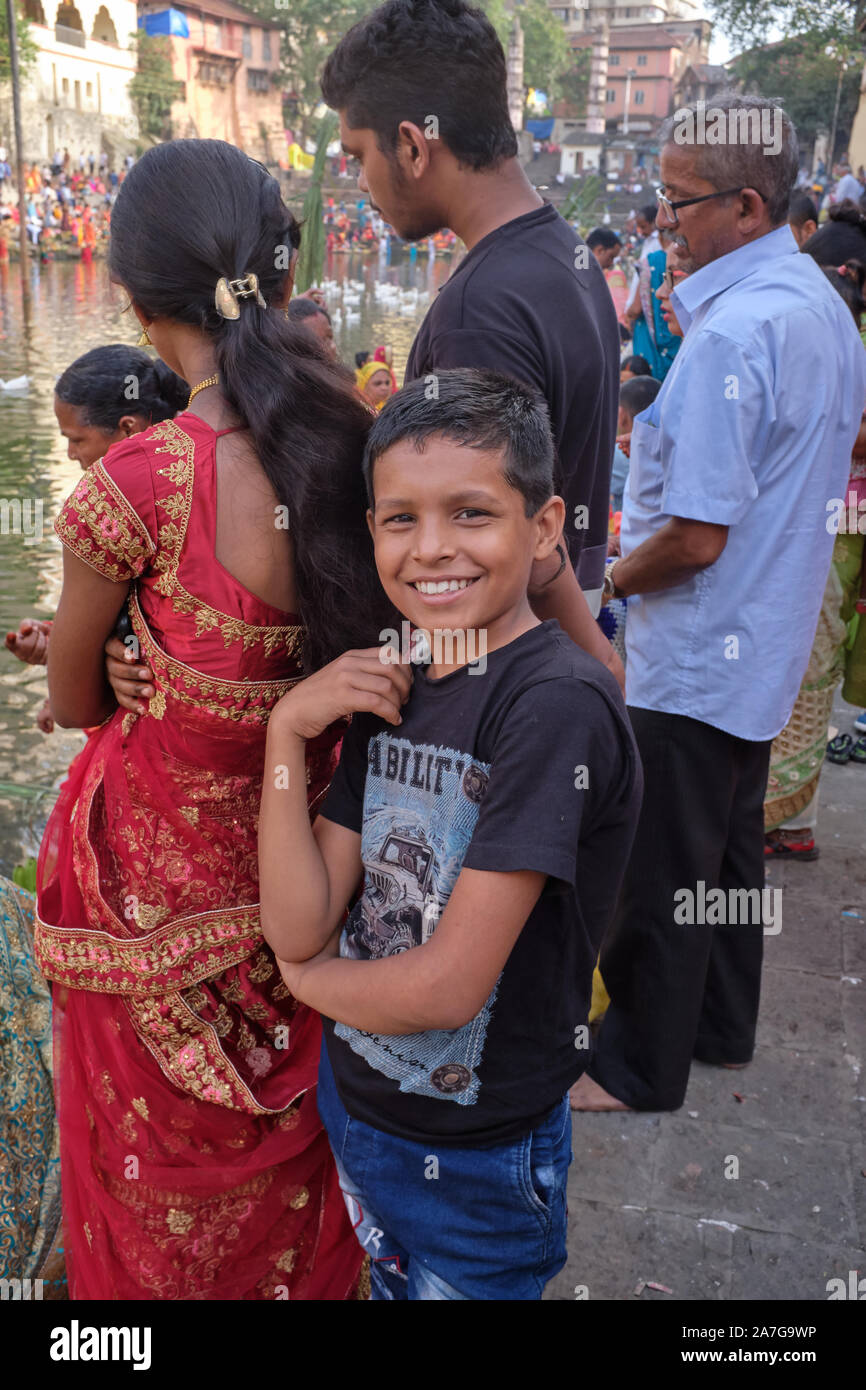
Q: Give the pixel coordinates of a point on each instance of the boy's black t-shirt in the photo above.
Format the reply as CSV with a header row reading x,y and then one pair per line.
x,y
530,764
530,300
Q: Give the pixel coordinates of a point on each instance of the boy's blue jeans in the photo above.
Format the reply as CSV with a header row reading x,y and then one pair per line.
x,y
453,1223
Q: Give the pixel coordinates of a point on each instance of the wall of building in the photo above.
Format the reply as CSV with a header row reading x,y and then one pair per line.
x,y
652,85
76,97
228,89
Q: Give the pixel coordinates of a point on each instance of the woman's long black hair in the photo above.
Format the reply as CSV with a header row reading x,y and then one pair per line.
x,y
188,213
116,380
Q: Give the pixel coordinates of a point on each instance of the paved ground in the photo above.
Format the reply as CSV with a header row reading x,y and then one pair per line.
x,y
648,1196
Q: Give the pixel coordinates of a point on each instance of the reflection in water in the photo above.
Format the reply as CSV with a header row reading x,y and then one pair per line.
x,y
74,308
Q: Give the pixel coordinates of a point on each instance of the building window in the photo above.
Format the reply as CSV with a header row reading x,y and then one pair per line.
x,y
613,60
78,96
266,46
638,97
611,94
246,42
641,60
66,86
89,91
258,79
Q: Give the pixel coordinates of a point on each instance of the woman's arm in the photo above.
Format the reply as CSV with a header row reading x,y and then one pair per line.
x,y
88,609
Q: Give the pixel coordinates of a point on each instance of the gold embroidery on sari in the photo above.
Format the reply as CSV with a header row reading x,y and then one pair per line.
x,y
180,470
98,524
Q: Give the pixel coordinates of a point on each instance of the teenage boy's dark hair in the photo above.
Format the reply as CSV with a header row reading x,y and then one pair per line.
x,y
603,236
637,394
411,59
478,410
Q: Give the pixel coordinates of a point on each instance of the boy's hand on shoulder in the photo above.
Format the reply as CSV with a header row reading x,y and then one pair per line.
x,y
358,682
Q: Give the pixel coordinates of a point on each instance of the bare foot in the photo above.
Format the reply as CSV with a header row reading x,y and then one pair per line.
x,y
586,1094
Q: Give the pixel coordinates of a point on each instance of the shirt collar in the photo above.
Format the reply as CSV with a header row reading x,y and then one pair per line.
x,y
704,284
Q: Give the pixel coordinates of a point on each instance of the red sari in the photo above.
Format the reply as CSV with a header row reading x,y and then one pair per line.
x,y
194,1164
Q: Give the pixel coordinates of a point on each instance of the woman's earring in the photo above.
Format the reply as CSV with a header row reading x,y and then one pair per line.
x,y
144,340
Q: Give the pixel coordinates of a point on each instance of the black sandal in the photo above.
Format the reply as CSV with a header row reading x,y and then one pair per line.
x,y
839,749
858,752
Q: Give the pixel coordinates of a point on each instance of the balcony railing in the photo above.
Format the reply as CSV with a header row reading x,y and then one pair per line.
x,y
74,37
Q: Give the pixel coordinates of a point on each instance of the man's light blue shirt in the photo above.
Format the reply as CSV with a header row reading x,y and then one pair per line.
x,y
752,429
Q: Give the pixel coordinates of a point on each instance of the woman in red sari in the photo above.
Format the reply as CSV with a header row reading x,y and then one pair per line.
x,y
194,1164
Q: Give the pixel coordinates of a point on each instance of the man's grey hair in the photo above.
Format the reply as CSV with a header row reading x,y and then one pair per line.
x,y
759,151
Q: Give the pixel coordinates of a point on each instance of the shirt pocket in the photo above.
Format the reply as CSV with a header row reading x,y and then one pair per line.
x,y
645,477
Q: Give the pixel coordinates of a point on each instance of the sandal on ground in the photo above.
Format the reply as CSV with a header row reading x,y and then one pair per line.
x,y
858,752
790,844
839,748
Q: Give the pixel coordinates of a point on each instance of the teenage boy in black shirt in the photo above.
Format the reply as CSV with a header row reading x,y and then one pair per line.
x,y
490,806
420,87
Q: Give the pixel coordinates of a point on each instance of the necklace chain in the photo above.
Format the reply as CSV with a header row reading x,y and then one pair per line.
x,y
208,381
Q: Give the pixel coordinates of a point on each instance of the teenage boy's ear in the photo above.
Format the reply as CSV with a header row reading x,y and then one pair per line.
x,y
549,521
413,149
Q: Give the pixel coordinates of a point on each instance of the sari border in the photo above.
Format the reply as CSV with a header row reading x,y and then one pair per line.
x,y
174,952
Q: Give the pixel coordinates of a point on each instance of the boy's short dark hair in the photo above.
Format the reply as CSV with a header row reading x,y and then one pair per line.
x,y
637,365
637,394
801,208
604,237
410,59
649,213
477,410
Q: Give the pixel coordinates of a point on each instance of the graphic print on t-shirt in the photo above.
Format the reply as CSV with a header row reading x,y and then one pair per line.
x,y
421,805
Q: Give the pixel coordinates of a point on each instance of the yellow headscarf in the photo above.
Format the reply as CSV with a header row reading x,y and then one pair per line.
x,y
369,369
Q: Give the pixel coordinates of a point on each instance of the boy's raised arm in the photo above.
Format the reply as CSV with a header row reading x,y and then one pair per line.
x,y
441,984
308,874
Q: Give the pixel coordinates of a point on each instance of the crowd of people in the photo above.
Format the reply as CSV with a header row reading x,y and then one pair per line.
x,y
323,895
68,206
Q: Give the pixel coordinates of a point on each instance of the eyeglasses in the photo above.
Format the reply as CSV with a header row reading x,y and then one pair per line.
x,y
670,209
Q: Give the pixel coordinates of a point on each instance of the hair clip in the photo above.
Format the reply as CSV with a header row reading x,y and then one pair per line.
x,y
228,293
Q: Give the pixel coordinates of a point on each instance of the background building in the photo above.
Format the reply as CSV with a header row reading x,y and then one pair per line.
x,y
76,96
228,60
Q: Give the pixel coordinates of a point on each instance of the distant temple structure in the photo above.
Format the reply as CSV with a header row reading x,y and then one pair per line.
x,y
514,61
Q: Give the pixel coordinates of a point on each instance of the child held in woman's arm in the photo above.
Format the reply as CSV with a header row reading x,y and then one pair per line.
x,y
488,800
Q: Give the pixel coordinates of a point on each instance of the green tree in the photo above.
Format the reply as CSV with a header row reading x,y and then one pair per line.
x,y
804,77
153,88
549,62
750,22
310,29
26,46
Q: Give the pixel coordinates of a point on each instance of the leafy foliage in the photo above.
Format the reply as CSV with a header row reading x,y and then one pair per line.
x,y
153,88
801,73
750,22
26,46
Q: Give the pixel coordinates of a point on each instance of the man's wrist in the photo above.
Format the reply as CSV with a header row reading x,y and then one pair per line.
x,y
612,587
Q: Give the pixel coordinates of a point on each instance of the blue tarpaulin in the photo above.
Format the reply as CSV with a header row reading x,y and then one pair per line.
x,y
165,22
541,129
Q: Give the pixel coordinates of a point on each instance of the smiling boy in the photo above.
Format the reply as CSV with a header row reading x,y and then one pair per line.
x,y
490,813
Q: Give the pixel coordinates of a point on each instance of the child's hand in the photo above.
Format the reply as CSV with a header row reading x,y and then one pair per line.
x,y
30,642
45,719
624,442
357,682
129,679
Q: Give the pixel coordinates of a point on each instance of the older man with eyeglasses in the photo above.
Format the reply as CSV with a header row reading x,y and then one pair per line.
x,y
725,552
